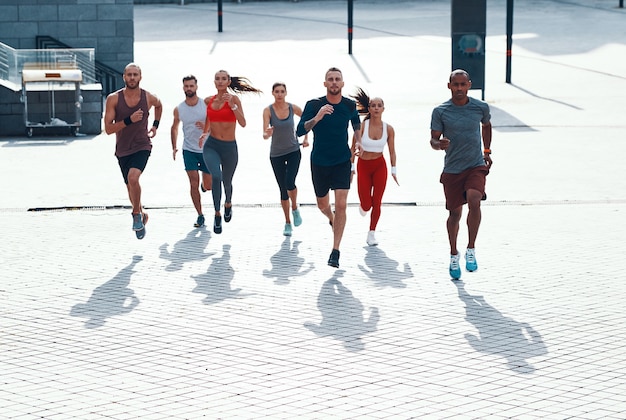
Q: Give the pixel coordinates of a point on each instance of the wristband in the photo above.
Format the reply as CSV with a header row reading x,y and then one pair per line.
x,y
393,170
352,167
128,121
487,151
155,123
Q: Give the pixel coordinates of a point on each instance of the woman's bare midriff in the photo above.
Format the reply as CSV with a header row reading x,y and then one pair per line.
x,y
224,131
370,155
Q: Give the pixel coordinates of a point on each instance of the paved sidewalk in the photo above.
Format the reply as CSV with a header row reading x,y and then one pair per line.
x,y
186,324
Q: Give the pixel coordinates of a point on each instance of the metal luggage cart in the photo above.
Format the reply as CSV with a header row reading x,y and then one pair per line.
x,y
52,99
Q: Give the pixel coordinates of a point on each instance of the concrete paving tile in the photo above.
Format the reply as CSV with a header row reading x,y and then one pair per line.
x,y
240,325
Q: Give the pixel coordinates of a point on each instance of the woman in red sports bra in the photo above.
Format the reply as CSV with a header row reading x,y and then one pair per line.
x,y
219,147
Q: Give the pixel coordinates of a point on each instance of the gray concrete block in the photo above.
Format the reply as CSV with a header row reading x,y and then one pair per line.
x,y
8,13
95,28
78,12
59,30
23,29
115,12
37,13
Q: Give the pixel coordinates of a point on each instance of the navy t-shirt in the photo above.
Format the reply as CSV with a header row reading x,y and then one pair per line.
x,y
330,134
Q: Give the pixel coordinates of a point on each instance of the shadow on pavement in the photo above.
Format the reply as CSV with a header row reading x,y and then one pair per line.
x,y
190,248
286,263
216,282
383,270
342,315
500,335
112,298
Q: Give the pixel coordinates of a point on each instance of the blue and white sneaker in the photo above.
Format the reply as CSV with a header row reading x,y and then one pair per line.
x,y
297,219
288,230
143,217
455,269
470,260
137,222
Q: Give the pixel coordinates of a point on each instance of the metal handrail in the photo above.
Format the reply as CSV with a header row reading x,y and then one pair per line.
x,y
107,76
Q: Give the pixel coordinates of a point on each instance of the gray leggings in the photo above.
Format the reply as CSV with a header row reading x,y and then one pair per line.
x,y
221,159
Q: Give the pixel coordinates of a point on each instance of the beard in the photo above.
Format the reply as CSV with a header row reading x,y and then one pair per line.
x,y
334,90
190,94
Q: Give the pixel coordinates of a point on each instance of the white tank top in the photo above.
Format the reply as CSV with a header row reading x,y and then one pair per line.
x,y
189,115
370,145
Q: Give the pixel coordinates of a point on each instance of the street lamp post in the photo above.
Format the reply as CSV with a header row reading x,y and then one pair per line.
x,y
350,24
509,38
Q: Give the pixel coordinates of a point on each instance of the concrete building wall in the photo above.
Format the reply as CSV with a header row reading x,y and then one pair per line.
x,y
105,25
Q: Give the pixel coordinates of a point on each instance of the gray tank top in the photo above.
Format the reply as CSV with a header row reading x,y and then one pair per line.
x,y
284,140
189,115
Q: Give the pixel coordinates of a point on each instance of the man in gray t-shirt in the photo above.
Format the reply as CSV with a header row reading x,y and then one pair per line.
x,y
466,166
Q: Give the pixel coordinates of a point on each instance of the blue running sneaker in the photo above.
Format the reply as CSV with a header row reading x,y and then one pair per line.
x,y
140,233
333,260
297,219
137,222
228,213
217,224
287,231
455,269
470,260
200,221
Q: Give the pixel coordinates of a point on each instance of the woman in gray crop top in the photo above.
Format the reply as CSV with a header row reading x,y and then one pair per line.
x,y
371,165
285,156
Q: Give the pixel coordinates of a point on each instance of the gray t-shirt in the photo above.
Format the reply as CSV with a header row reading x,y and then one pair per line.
x,y
461,124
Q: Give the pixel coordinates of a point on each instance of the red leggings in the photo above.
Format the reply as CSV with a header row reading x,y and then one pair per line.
x,y
371,181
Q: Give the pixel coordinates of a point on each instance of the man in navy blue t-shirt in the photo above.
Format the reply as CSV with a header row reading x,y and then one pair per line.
x,y
331,167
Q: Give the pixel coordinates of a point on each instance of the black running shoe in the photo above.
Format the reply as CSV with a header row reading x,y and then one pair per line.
x,y
217,225
200,221
333,260
228,213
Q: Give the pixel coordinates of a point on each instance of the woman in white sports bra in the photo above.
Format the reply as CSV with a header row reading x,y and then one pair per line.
x,y
371,167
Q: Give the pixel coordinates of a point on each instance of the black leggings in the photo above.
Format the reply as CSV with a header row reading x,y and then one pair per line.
x,y
285,170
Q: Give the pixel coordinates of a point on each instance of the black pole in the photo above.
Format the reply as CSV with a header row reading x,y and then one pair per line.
x,y
219,15
621,4
350,9
509,38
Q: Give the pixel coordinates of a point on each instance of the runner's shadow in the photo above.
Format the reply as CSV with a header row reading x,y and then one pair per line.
x,y
286,263
215,283
190,248
383,270
342,315
500,335
112,298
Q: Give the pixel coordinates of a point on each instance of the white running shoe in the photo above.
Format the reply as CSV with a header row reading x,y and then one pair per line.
x,y
371,238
